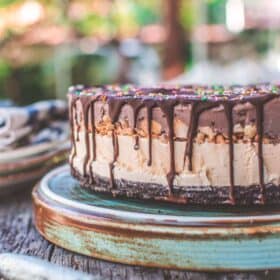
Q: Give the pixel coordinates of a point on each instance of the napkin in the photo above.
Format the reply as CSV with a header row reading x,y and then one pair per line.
x,y
18,122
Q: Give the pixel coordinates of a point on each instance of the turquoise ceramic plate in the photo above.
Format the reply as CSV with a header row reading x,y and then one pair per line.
x,y
155,234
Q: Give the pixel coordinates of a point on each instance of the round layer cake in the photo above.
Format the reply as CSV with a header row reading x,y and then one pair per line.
x,y
187,144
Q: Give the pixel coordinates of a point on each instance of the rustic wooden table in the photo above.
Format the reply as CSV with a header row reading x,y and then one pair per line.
x,y
18,235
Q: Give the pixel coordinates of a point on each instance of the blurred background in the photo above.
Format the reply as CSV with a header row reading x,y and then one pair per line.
x,y
45,46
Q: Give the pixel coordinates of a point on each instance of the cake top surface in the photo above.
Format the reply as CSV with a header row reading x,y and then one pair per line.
x,y
166,92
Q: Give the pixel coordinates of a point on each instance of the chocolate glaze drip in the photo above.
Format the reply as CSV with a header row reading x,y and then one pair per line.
x,y
149,119
168,109
93,131
72,112
190,136
115,107
136,144
85,109
92,111
259,106
77,123
228,111
115,156
136,106
259,110
116,103
198,107
86,106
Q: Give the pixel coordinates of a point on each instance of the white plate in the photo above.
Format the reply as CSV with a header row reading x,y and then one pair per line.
x,y
28,151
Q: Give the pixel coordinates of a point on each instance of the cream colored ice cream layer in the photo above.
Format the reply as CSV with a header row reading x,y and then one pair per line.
x,y
210,162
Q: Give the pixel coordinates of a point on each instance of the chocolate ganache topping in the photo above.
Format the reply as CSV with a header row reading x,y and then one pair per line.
x,y
195,105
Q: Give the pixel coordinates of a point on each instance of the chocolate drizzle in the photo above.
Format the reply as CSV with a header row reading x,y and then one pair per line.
x,y
198,107
115,107
136,108
85,110
77,123
259,106
190,136
149,120
72,117
115,156
168,109
259,110
136,144
228,111
93,132
92,114
167,105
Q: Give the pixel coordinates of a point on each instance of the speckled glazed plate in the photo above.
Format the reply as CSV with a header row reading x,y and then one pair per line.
x,y
18,173
155,234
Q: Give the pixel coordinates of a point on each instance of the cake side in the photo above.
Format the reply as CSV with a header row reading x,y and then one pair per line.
x,y
188,144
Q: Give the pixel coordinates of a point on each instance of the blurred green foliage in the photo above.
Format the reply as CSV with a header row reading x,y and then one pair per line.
x,y
147,12
53,67
4,3
58,67
216,11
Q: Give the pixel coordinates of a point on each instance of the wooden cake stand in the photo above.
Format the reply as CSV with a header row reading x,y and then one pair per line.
x,y
155,234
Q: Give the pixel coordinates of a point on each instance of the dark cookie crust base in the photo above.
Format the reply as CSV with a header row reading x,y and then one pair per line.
x,y
184,195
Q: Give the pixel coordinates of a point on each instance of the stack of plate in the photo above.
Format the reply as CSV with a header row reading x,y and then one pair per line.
x,y
22,166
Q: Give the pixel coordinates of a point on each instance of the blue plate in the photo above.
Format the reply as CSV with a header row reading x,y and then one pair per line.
x,y
155,234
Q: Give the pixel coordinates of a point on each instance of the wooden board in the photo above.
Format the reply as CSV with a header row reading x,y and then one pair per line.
x,y
155,234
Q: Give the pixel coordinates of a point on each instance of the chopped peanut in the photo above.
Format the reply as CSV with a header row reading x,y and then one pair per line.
x,y
220,139
250,131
